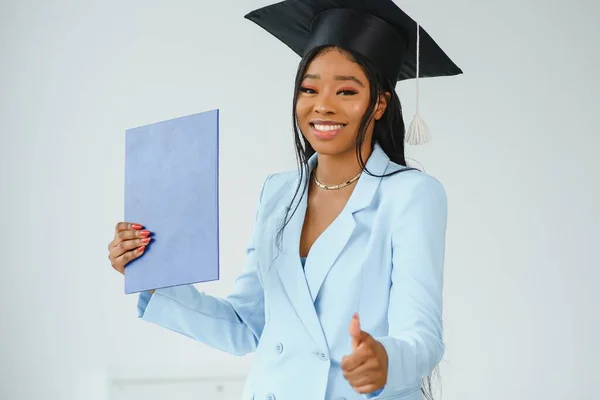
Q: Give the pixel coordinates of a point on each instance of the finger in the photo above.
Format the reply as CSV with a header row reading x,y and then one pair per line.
x,y
368,388
355,331
362,379
121,226
120,262
364,354
129,234
353,361
121,247
367,367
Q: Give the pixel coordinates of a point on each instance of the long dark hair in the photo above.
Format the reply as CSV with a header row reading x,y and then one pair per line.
x,y
388,132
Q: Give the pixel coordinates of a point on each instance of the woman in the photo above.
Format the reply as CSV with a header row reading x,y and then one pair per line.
x,y
341,293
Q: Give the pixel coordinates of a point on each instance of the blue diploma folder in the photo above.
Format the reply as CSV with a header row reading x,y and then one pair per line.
x,y
172,189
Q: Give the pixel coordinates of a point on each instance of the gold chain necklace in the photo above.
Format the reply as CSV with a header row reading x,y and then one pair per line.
x,y
334,187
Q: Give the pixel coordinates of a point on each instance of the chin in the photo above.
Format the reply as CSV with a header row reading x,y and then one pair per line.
x,y
331,147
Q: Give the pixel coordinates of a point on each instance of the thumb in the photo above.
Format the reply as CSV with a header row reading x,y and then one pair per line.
x,y
355,332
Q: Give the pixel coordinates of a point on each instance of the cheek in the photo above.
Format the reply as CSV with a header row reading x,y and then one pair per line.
x,y
303,110
302,107
357,109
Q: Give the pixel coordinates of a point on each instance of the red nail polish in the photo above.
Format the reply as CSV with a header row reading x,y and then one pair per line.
x,y
141,249
136,226
144,233
146,240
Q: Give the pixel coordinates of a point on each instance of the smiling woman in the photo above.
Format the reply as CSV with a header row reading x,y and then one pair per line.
x,y
328,102
341,294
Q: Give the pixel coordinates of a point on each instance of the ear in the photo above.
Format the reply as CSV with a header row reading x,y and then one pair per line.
x,y
384,99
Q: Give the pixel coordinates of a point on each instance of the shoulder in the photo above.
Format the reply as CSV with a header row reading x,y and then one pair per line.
x,y
403,189
277,185
411,181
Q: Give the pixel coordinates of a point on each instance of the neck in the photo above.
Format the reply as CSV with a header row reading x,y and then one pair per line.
x,y
338,168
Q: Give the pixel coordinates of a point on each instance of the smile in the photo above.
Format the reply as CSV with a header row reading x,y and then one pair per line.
x,y
326,130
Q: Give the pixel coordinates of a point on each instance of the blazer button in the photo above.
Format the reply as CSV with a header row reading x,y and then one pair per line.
x,y
279,348
270,396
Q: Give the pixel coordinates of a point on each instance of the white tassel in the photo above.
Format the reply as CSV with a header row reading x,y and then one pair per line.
x,y
418,132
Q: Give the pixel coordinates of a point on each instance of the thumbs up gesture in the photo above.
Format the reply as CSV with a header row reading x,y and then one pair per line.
x,y
366,368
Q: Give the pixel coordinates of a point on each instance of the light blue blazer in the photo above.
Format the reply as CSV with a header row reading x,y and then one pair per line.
x,y
382,257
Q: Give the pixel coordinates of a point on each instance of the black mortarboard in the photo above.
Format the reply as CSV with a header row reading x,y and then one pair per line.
x,y
376,29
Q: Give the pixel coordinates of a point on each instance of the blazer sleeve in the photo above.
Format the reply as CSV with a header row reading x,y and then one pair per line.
x,y
415,342
233,324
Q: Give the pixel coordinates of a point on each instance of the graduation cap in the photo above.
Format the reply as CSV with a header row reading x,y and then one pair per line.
x,y
377,29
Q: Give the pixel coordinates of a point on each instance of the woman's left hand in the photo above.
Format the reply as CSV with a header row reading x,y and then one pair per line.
x,y
366,368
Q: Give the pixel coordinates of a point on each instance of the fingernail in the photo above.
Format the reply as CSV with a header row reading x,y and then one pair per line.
x,y
141,249
144,233
136,226
146,240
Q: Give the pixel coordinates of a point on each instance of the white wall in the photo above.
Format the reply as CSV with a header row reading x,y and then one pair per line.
x,y
515,143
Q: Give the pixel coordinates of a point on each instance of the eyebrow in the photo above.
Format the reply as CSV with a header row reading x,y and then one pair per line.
x,y
337,78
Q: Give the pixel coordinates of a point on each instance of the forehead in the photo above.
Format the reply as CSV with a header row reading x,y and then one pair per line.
x,y
333,62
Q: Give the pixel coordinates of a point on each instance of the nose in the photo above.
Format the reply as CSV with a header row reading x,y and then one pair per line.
x,y
324,105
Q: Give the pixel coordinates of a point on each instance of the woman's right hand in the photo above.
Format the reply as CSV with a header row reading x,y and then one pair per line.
x,y
129,243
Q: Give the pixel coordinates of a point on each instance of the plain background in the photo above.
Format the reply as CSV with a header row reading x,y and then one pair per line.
x,y
515,144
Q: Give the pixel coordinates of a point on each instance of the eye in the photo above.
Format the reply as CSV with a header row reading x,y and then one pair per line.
x,y
307,90
347,92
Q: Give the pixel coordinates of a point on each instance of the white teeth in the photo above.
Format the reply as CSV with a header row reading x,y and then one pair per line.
x,y
328,127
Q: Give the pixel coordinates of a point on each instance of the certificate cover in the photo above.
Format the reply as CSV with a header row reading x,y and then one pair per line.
x,y
172,189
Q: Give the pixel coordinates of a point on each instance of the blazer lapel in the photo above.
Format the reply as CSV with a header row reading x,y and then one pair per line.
x,y
290,268
327,248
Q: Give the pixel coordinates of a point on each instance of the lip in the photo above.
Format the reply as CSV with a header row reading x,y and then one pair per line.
x,y
325,135
326,122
